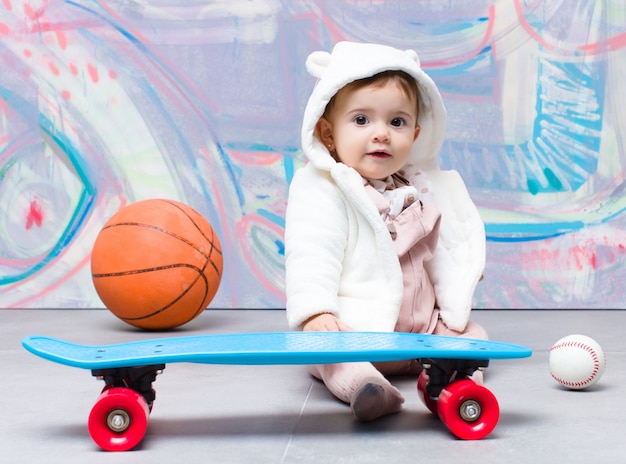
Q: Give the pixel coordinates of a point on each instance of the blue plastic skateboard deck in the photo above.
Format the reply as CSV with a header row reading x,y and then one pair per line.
x,y
271,348
118,420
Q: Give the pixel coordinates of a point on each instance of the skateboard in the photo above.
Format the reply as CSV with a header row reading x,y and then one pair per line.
x,y
119,419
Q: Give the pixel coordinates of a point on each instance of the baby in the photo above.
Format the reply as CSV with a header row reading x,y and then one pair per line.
x,y
377,237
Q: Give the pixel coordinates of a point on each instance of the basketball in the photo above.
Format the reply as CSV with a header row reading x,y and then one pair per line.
x,y
156,264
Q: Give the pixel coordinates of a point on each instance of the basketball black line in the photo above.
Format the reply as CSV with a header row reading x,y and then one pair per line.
x,y
209,240
199,275
208,257
141,271
159,229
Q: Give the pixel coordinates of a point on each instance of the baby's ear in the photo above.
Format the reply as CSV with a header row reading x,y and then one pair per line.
x,y
317,62
324,130
413,55
416,133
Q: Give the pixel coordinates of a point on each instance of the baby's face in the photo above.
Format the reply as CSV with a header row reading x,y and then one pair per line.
x,y
372,129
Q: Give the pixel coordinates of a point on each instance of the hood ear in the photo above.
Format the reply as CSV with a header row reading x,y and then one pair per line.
x,y
413,55
317,63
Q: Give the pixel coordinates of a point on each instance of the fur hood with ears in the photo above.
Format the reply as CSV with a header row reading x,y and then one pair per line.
x,y
353,61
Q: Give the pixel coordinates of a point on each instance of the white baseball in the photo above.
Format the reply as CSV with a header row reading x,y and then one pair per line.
x,y
577,361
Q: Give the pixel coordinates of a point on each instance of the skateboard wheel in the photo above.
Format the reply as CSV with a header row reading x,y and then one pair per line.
x,y
470,411
119,419
422,383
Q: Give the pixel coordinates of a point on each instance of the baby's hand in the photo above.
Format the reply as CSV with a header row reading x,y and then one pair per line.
x,y
325,322
400,198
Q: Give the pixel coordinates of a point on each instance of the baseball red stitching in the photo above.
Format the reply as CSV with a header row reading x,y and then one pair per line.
x,y
594,357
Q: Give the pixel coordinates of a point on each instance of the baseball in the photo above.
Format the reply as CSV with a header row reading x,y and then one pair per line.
x,y
577,361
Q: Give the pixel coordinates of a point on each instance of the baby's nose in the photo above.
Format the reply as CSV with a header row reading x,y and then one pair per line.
x,y
380,133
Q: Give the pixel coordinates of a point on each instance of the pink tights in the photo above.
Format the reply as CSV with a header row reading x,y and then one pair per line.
x,y
364,385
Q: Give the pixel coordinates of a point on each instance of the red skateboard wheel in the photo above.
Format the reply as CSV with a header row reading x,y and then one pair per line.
x,y
470,411
422,383
119,419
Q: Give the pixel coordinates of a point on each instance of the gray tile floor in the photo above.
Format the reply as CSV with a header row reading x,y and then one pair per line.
x,y
278,414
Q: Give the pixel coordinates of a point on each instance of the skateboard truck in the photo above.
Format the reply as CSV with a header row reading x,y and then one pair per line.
x,y
138,379
442,372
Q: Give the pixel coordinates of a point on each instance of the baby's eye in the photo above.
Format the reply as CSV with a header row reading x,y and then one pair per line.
x,y
360,120
398,122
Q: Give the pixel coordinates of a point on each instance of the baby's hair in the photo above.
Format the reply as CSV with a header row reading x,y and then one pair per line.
x,y
406,83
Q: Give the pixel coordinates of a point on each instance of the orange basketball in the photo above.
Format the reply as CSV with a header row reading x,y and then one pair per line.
x,y
156,264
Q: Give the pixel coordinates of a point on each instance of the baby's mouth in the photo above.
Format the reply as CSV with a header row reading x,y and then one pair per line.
x,y
379,154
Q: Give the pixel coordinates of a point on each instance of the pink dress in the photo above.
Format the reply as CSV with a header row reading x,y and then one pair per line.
x,y
414,230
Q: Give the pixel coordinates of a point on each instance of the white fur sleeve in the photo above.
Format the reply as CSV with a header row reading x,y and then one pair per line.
x,y
459,260
315,241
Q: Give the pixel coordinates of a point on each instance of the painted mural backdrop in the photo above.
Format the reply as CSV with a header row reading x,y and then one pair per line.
x,y
104,103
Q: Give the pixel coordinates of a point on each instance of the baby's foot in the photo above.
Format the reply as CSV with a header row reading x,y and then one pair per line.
x,y
374,399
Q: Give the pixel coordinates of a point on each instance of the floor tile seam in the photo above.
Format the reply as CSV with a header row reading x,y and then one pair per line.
x,y
297,424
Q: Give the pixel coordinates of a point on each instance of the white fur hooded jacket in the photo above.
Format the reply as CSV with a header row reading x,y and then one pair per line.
x,y
339,255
